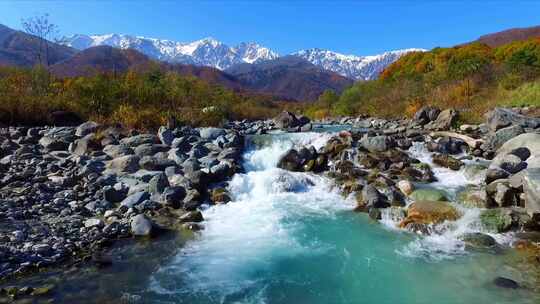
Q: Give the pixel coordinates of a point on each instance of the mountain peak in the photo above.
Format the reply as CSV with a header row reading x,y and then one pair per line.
x,y
204,52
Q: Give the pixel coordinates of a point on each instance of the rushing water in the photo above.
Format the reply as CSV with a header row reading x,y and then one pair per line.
x,y
291,238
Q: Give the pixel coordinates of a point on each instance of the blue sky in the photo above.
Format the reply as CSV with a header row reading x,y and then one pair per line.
x,y
359,27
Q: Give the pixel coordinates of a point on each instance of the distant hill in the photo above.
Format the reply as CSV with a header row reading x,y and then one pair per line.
x,y
18,48
510,35
99,59
290,77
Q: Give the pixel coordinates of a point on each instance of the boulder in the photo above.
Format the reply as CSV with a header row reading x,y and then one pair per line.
x,y
495,140
428,194
124,164
369,198
447,161
286,120
53,144
477,240
86,128
500,118
141,139
429,212
501,194
531,189
211,133
377,143
290,161
445,120
426,114
173,196
165,135
135,199
405,186
157,184
473,197
500,220
115,151
141,225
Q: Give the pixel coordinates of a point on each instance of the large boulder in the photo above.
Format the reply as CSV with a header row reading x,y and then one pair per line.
x,y
286,120
531,141
428,194
498,138
445,120
377,143
504,219
531,189
429,212
500,118
141,225
290,161
426,114
369,198
447,161
141,139
211,133
86,128
166,135
125,164
135,199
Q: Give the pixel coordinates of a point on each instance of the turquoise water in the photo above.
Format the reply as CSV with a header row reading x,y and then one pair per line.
x,y
290,238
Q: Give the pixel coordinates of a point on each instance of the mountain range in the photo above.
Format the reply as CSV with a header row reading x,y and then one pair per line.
x,y
213,53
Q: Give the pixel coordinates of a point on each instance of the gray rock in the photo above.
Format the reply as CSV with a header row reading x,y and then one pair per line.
x,y
141,225
445,120
372,198
86,128
286,120
512,164
290,161
495,140
211,133
125,164
377,143
165,135
53,144
173,196
137,140
500,118
426,115
476,240
115,151
135,199
531,189
94,222
157,184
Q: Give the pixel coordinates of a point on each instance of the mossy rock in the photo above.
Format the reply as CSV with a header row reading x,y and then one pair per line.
x,y
475,172
429,194
496,220
429,212
473,197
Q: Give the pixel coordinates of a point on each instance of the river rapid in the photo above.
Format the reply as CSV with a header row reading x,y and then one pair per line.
x,y
291,237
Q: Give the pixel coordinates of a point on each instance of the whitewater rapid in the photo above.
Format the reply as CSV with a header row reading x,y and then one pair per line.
x,y
291,233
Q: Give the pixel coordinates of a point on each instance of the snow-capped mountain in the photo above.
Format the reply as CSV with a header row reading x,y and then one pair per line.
x,y
204,52
213,53
355,67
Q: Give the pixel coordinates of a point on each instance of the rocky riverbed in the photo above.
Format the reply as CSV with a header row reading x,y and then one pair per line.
x,y
70,193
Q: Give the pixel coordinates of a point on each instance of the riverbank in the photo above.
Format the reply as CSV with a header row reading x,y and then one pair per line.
x,y
91,186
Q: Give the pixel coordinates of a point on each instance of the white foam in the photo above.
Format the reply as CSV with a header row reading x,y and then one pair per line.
x,y
259,225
